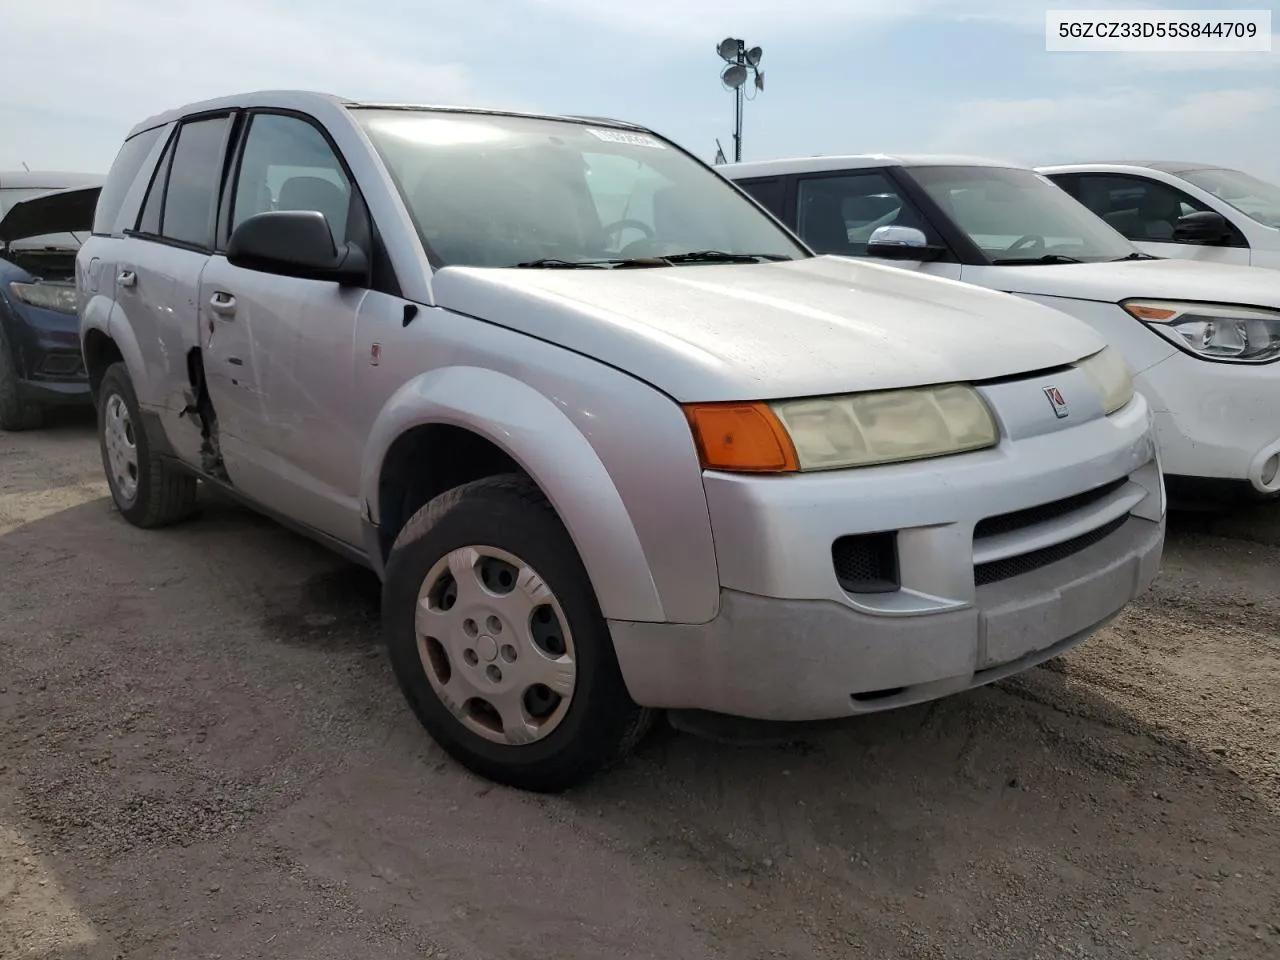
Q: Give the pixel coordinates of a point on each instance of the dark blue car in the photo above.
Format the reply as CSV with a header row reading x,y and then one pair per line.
x,y
44,217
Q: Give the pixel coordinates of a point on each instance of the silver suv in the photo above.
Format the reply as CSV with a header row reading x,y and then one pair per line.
x,y
613,438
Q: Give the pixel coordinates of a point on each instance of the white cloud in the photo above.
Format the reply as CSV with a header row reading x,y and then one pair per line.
x,y
104,66
1197,62
696,20
1233,127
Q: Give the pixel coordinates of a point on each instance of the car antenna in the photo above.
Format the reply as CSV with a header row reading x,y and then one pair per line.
x,y
25,167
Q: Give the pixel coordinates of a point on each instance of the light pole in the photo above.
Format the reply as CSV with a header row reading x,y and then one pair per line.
x,y
740,63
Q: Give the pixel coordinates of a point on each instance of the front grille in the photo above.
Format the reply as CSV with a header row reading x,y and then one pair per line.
x,y
997,570
867,562
1043,513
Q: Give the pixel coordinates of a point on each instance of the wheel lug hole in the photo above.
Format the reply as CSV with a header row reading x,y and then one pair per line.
x,y
469,655
469,628
508,653
494,625
493,673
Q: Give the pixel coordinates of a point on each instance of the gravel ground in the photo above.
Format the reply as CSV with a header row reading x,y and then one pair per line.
x,y
203,754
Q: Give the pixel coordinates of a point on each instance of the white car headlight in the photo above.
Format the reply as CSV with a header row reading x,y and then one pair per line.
x,y
1111,375
885,427
49,296
1214,331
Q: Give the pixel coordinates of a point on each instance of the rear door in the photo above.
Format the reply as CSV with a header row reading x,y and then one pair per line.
x,y
157,274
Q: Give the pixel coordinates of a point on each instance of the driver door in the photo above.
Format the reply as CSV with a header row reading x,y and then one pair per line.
x,y
278,350
1146,210
837,214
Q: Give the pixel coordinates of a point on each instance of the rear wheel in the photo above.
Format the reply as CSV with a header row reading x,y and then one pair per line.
x,y
15,412
147,491
498,641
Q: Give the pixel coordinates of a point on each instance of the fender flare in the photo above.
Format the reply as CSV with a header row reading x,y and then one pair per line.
x,y
103,315
540,437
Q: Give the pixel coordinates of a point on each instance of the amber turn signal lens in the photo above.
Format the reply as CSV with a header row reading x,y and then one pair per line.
x,y
1143,312
741,437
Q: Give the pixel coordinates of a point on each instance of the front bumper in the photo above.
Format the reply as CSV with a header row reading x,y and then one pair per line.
x,y
47,351
1216,420
771,659
1004,558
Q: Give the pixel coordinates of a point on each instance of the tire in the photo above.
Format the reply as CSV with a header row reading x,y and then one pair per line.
x,y
15,413
153,493
478,527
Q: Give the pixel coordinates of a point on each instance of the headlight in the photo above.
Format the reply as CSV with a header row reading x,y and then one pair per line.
x,y
837,432
1111,375
1215,331
48,296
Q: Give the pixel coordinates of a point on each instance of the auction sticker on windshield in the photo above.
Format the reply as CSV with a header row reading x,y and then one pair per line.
x,y
626,136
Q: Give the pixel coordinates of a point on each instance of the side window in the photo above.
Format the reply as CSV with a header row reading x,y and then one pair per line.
x,y
770,194
149,219
838,214
124,171
1140,209
288,165
193,181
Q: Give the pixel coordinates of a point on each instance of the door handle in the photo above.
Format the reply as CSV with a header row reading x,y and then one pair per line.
x,y
223,304
127,278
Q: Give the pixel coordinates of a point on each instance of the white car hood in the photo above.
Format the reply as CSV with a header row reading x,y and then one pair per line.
x,y
1150,279
769,331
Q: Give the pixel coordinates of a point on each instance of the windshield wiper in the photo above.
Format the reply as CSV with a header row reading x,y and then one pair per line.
x,y
1047,258
554,263
1133,256
719,256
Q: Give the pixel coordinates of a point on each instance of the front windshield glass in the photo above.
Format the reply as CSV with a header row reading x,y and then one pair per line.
x,y
496,191
1256,199
1018,216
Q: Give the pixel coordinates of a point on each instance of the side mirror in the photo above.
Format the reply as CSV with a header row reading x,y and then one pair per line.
x,y
901,243
1203,226
296,243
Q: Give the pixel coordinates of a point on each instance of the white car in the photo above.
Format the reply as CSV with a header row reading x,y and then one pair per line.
x,y
1203,339
1191,211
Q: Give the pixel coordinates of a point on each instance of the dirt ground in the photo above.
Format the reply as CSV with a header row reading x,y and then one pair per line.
x,y
203,754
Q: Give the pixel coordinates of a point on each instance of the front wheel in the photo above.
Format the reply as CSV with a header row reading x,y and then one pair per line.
x,y
147,491
498,642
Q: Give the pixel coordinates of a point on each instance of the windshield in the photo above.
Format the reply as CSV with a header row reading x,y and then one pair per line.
x,y
1018,216
497,191
1256,199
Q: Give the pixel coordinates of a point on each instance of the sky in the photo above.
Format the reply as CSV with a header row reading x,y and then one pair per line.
x,y
841,76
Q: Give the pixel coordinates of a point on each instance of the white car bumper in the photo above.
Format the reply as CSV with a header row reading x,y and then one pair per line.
x,y
1216,420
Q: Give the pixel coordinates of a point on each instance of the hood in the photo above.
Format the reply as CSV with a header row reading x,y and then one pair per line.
x,y
1151,279
60,211
773,330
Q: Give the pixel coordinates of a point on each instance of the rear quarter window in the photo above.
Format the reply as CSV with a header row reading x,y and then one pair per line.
x,y
124,171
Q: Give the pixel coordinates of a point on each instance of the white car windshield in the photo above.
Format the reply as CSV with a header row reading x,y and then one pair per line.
x,y
1017,216
488,190
1256,199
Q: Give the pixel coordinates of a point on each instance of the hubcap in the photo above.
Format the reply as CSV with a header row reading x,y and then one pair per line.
x,y
496,645
122,448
